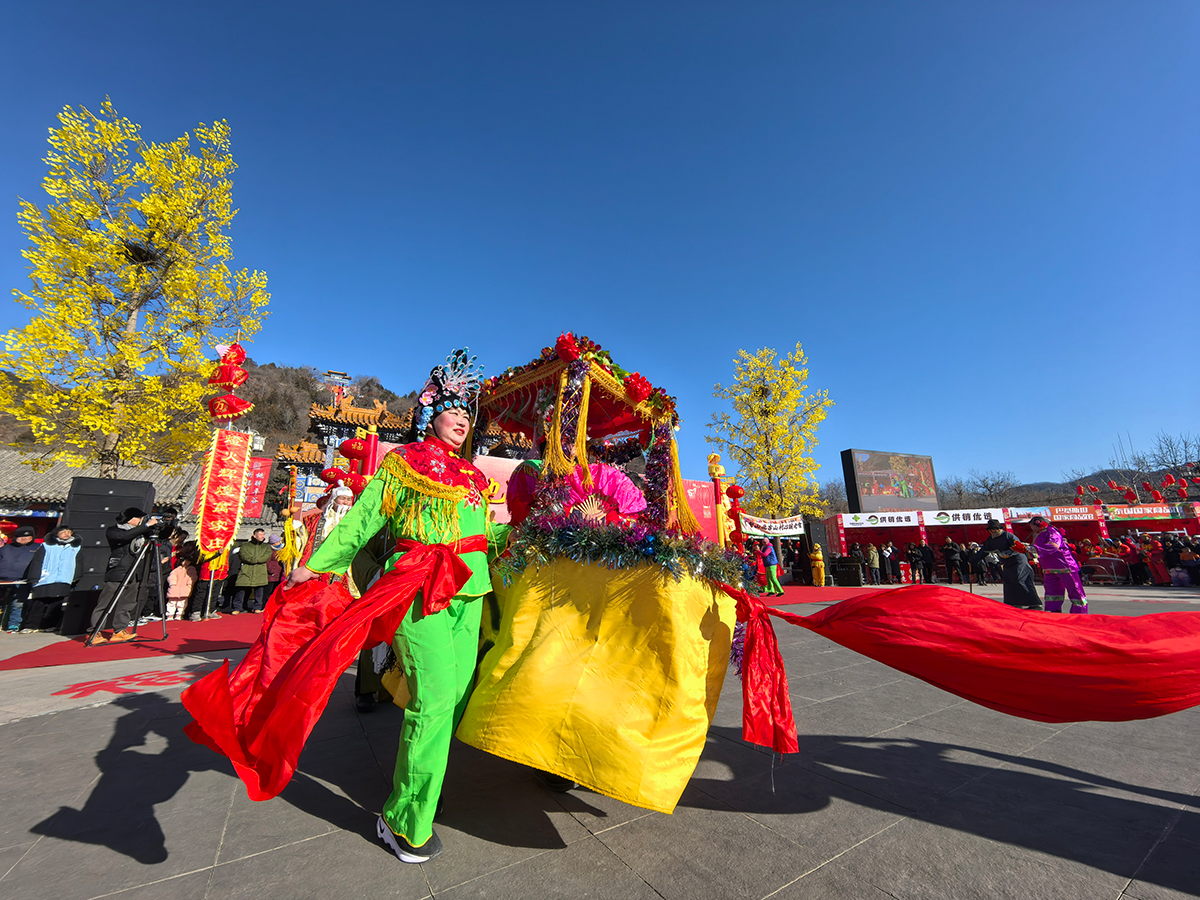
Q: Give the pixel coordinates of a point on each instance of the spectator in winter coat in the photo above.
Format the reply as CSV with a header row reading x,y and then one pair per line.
x,y
952,556
15,559
915,562
52,574
275,571
928,564
252,577
873,562
125,541
180,584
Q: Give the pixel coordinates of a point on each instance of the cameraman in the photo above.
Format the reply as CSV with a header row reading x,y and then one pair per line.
x,y
125,540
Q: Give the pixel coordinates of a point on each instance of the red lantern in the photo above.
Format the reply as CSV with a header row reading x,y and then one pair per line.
x,y
1146,485
1182,492
1196,481
1093,489
354,448
1079,489
735,492
228,377
333,475
1158,497
355,482
1112,485
1168,478
228,407
1131,496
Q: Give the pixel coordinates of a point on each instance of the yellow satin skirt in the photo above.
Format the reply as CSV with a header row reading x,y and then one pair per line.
x,y
607,677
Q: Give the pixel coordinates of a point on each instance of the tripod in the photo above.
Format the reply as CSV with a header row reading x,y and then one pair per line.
x,y
141,564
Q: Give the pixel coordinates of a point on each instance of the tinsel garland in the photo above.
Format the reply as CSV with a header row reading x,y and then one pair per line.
x,y
616,453
658,476
546,537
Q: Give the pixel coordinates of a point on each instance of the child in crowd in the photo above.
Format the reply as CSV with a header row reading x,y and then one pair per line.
x,y
179,587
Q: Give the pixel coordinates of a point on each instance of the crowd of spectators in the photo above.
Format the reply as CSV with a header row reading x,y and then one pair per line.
x,y
36,578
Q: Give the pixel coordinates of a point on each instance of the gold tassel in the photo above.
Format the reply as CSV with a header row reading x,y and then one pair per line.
x,y
556,462
683,512
581,457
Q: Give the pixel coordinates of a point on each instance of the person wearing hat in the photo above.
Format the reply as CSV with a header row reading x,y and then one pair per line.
x,y
16,557
125,541
430,501
1060,569
52,575
1015,572
817,560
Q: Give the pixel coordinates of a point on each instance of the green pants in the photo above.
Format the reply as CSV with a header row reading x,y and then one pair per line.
x,y
773,586
437,654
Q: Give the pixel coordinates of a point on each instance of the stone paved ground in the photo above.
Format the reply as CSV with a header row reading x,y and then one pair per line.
x,y
899,790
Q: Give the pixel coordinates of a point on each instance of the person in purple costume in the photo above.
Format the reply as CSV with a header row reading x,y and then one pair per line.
x,y
1060,571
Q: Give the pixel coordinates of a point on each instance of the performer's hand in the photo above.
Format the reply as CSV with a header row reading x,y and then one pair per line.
x,y
299,575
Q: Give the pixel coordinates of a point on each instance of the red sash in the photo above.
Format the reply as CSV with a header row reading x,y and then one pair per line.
x,y
261,714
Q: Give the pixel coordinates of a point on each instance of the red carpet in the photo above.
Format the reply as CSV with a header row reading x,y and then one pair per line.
x,y
225,633
795,593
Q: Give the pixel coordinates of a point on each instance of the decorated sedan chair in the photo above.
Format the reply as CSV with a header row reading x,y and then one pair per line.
x,y
613,637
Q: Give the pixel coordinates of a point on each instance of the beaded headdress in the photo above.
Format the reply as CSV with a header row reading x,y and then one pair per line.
x,y
453,385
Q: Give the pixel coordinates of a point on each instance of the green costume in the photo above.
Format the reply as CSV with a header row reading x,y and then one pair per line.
x,y
423,492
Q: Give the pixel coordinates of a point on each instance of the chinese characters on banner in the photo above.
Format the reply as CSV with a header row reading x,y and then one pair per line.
x,y
1076,514
756,527
223,491
962,516
256,490
880,520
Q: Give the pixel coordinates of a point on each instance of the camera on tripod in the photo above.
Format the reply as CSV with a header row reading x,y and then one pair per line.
x,y
164,528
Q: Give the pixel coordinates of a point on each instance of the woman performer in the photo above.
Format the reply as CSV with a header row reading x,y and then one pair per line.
x,y
1019,589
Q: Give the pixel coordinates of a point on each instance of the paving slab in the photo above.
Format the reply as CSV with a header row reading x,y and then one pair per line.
x,y
899,790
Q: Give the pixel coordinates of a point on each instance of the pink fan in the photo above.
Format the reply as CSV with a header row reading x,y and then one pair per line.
x,y
610,483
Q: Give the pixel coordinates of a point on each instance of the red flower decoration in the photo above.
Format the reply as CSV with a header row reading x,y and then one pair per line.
x,y
566,348
228,407
637,388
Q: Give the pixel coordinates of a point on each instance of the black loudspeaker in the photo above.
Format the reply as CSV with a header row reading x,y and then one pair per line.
x,y
848,574
93,504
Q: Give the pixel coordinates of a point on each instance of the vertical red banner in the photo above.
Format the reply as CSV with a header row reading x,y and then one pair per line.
x,y
256,489
223,491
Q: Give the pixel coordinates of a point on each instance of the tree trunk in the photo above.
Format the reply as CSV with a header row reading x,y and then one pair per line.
x,y
109,458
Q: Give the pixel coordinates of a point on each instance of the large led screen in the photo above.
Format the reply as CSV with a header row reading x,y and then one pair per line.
x,y
880,481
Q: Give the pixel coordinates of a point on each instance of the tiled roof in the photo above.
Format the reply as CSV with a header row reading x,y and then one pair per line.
x,y
345,413
21,484
302,453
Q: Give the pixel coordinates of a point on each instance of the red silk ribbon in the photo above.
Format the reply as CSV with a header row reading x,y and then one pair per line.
x,y
261,714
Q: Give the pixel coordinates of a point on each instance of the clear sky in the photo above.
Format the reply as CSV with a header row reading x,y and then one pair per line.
x,y
982,220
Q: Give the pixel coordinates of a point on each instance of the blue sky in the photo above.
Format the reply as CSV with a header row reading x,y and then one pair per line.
x,y
981,220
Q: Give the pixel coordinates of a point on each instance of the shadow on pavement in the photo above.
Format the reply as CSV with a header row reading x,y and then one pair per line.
x,y
1021,801
1042,806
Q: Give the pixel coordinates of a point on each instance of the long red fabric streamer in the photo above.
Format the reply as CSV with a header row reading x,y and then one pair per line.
x,y
261,715
1042,666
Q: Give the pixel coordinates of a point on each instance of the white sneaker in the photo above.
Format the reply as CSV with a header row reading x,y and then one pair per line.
x,y
406,852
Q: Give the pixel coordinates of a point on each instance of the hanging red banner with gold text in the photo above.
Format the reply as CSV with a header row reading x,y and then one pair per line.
x,y
223,491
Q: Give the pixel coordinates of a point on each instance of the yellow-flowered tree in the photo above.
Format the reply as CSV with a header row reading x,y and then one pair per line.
x,y
130,263
771,432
